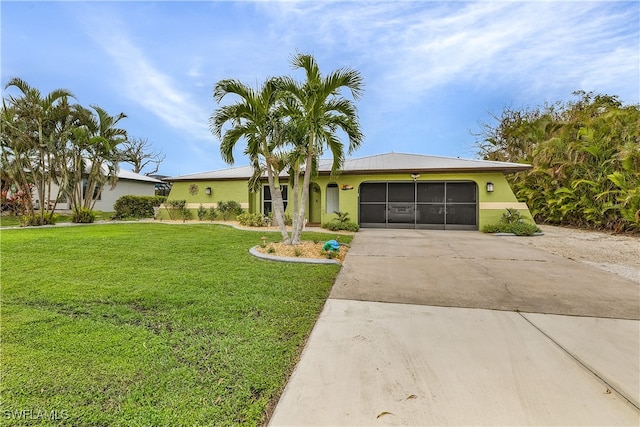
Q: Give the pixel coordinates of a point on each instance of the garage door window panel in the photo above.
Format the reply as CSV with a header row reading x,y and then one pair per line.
x,y
461,192
373,193
462,214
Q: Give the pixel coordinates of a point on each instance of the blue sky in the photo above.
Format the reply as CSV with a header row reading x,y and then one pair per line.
x,y
433,70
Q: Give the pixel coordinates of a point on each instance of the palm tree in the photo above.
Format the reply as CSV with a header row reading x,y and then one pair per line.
x,y
256,118
32,139
96,154
317,106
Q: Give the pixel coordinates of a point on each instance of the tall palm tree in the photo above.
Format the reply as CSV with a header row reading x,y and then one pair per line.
x,y
317,106
254,117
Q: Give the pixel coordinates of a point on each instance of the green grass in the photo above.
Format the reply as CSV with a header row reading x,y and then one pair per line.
x,y
150,324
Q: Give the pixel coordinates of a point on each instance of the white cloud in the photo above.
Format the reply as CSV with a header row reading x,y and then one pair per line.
x,y
146,85
412,48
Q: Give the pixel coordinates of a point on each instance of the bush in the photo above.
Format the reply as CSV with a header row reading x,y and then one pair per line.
x,y
511,216
36,220
212,213
137,206
252,219
174,208
229,208
185,213
83,216
336,225
342,222
512,222
517,228
202,212
15,204
288,219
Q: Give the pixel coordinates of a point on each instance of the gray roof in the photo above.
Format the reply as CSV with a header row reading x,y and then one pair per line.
x,y
125,174
379,163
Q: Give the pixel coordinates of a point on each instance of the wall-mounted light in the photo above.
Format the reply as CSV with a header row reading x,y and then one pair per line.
x,y
489,187
207,191
415,176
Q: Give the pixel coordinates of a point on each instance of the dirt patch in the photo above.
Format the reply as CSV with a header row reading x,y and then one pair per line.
x,y
609,252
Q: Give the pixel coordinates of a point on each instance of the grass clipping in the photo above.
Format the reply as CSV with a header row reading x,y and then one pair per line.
x,y
303,250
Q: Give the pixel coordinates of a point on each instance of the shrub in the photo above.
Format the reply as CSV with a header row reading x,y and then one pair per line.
x,y
342,222
252,219
202,212
511,216
83,216
15,204
517,228
512,222
137,206
185,213
523,229
212,213
336,225
229,209
174,208
288,219
36,220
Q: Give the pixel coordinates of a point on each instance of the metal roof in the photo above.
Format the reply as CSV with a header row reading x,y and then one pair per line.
x,y
125,174
380,163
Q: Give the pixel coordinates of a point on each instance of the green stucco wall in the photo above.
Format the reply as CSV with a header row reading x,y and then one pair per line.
x,y
220,191
491,205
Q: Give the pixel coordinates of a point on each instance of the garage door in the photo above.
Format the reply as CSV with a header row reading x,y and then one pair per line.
x,y
431,205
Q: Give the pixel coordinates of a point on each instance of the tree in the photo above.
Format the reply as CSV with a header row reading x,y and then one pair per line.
x,y
138,153
317,107
256,118
585,156
31,142
96,155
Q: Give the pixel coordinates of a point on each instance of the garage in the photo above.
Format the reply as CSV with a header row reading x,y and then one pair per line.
x,y
438,205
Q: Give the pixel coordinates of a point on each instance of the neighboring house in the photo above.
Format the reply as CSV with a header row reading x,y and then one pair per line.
x,y
129,183
392,190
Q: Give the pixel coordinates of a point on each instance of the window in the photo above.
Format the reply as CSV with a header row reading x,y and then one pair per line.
x,y
333,198
267,201
96,195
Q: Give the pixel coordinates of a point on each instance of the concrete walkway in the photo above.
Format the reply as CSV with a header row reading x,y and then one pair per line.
x,y
462,328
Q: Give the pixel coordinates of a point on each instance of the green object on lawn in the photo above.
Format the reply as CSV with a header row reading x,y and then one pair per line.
x,y
331,245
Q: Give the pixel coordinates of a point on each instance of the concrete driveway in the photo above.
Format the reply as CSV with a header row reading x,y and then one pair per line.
x,y
476,270
463,328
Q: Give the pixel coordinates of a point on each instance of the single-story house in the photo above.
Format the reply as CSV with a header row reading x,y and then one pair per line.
x,y
129,183
392,190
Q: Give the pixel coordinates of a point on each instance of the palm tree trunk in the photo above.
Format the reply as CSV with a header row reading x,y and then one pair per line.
x,y
297,231
277,205
296,198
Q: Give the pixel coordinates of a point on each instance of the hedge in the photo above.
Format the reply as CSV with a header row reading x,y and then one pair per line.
x,y
137,206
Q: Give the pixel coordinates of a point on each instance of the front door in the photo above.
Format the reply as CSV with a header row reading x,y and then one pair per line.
x,y
315,208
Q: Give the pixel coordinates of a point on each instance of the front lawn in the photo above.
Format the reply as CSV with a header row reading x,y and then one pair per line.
x,y
149,324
